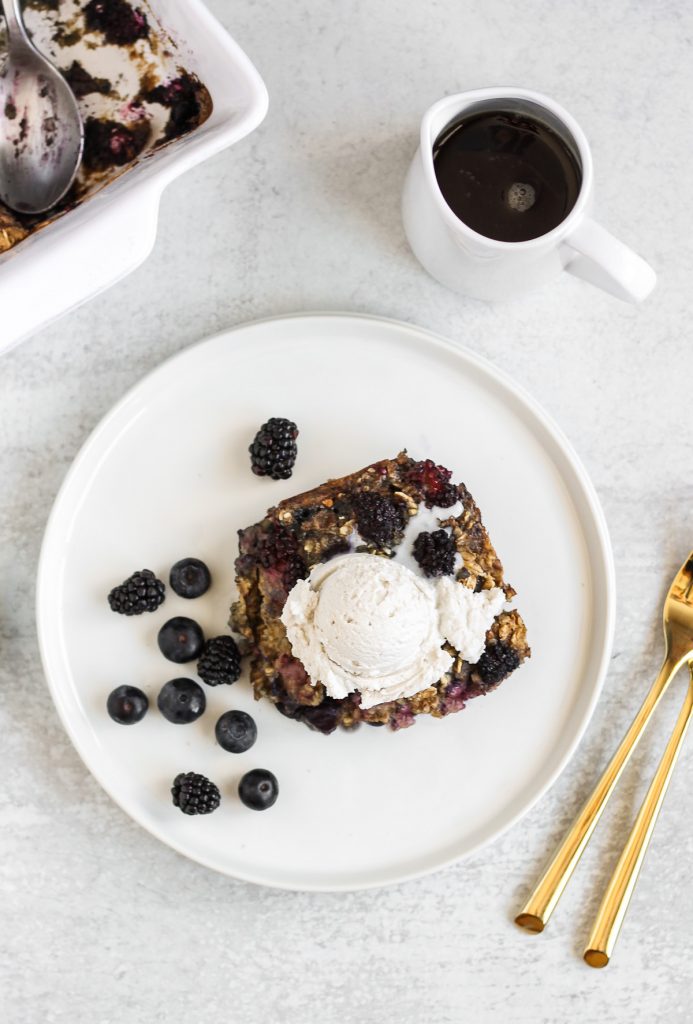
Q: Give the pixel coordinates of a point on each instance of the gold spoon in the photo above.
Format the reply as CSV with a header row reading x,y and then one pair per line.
x,y
678,638
614,905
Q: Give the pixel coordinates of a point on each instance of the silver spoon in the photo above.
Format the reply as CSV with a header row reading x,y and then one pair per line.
x,y
41,131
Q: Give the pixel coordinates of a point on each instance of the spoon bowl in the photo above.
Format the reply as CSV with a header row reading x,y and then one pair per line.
x,y
41,131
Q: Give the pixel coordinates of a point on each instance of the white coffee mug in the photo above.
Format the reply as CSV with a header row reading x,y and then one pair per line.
x,y
484,268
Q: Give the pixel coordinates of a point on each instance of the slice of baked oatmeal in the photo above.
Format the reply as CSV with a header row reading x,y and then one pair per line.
x,y
380,510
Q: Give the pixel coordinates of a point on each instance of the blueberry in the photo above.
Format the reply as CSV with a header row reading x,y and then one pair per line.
x,y
181,701
181,639
324,717
235,731
127,705
258,789
190,578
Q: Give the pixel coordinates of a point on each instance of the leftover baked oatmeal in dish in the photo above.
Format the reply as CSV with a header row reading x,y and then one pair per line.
x,y
375,598
133,90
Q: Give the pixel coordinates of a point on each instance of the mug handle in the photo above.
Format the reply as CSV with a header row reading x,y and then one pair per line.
x,y
609,264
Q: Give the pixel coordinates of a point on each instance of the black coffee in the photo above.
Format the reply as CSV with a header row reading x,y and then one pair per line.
x,y
506,175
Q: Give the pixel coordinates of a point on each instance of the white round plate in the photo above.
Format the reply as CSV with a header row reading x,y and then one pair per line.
x,y
166,475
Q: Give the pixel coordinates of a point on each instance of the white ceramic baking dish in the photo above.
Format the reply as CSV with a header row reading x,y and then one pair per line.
x,y
99,242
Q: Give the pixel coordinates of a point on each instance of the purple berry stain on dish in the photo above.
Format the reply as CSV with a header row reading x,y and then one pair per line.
x,y
119,22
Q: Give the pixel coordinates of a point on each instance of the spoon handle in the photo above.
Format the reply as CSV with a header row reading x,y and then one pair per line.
x,y
620,889
14,20
540,905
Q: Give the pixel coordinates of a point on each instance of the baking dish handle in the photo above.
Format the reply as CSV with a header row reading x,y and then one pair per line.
x,y
39,283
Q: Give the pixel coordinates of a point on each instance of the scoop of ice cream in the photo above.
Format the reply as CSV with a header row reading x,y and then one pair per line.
x,y
363,622
373,616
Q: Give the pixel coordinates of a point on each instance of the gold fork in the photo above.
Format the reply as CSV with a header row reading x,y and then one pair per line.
x,y
678,639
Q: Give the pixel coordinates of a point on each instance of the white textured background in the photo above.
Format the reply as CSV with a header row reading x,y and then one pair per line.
x,y
99,922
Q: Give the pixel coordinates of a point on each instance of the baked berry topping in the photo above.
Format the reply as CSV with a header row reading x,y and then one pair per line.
x,y
273,451
180,639
378,519
195,794
324,717
190,578
258,789
435,553
338,547
453,698
141,592
181,701
220,661
127,705
497,662
433,482
235,731
120,23
402,718
276,549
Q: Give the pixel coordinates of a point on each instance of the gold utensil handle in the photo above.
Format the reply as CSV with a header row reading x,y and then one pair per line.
x,y
540,905
614,905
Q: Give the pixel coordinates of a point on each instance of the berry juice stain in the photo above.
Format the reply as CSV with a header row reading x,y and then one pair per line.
x,y
506,175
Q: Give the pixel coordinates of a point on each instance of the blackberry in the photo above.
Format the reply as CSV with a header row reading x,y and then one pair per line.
x,y
277,545
378,519
434,484
273,451
497,662
195,794
220,661
435,553
141,592
277,548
